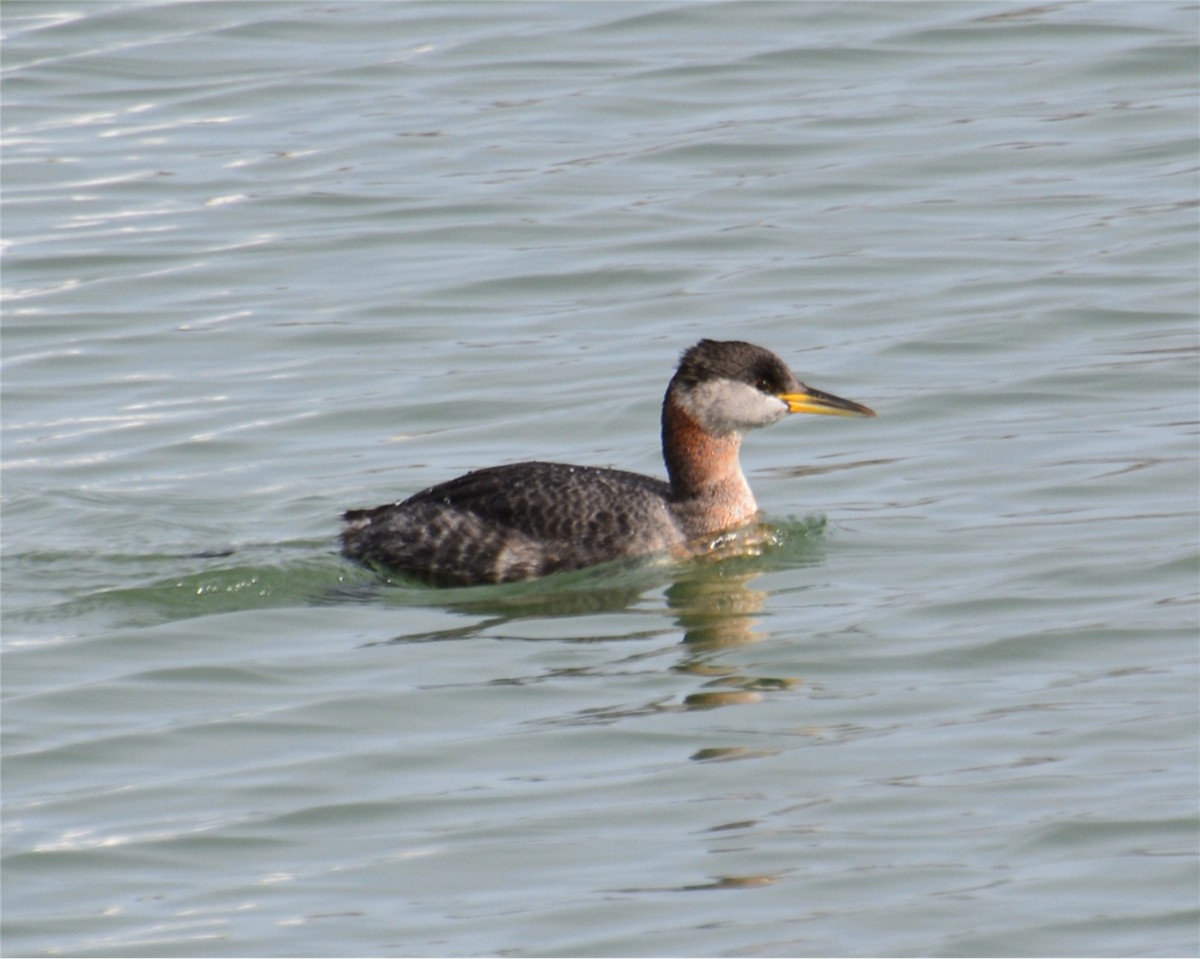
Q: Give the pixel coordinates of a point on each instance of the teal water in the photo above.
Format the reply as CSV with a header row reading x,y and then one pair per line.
x,y
266,262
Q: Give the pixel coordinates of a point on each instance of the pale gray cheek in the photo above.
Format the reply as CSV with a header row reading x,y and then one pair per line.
x,y
776,409
752,409
726,407
766,410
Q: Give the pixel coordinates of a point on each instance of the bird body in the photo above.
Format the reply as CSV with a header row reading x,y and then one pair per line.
x,y
525,520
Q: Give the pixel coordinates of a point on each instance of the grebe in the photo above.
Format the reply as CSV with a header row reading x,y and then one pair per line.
x,y
525,520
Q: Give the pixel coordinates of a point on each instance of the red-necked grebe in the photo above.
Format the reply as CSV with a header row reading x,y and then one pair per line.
x,y
526,520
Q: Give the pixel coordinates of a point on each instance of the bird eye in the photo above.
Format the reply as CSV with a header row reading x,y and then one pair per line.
x,y
762,385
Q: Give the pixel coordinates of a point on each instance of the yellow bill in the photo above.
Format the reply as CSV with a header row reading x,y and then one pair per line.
x,y
810,400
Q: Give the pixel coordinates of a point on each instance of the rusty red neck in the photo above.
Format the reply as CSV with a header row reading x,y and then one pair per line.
x,y
705,474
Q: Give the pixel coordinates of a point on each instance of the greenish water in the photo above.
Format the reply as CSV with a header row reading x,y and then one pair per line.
x,y
266,262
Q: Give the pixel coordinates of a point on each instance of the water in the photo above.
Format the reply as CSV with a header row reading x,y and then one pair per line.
x,y
265,262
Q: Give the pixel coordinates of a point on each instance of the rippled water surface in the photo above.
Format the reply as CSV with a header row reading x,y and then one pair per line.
x,y
268,261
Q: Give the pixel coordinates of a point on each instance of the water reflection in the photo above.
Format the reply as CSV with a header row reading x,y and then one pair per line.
x,y
710,606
